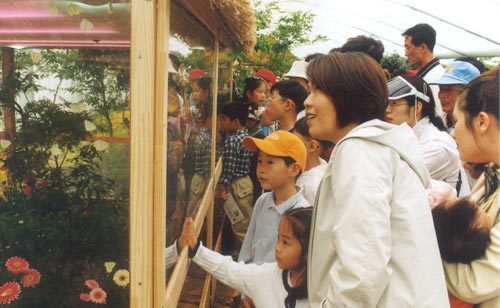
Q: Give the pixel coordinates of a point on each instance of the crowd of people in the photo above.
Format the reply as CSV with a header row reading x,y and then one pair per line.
x,y
346,187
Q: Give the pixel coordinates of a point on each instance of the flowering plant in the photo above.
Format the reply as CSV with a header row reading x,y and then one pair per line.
x,y
29,277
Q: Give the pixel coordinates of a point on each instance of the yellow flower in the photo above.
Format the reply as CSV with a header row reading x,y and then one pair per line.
x,y
109,266
121,278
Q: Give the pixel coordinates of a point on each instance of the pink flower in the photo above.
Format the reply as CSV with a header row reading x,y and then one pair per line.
x,y
17,265
91,283
98,296
9,292
31,278
85,297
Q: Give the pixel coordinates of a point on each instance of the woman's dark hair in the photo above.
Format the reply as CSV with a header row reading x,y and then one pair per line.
x,y
459,237
481,95
251,84
428,108
354,82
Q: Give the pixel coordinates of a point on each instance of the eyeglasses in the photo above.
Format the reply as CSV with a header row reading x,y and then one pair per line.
x,y
400,88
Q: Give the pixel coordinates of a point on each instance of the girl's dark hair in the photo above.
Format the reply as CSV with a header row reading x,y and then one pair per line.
x,y
300,222
354,82
203,82
481,95
251,84
428,108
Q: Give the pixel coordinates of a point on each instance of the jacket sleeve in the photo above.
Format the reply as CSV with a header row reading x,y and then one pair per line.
x,y
245,278
171,255
440,162
478,281
361,233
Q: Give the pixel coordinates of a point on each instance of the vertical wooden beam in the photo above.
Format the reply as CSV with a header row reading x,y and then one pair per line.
x,y
160,151
215,96
8,112
142,87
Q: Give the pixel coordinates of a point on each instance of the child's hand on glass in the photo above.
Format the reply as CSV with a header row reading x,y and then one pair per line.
x,y
188,236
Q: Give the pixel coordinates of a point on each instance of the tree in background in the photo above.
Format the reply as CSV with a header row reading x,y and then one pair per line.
x,y
278,32
395,64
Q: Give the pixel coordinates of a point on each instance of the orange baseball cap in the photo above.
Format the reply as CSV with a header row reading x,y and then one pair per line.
x,y
280,143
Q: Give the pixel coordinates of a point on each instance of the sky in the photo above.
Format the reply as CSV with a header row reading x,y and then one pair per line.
x,y
463,27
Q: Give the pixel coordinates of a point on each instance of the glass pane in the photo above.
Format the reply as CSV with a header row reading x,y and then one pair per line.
x,y
64,197
189,120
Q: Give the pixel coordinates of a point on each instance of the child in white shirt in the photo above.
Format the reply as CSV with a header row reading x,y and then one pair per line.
x,y
315,169
279,284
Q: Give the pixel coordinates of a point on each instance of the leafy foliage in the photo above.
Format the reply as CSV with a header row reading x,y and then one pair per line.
x,y
57,207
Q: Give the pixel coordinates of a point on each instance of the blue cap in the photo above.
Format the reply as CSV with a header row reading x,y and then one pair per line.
x,y
459,72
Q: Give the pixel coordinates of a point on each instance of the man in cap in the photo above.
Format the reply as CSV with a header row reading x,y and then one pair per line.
x,y
451,84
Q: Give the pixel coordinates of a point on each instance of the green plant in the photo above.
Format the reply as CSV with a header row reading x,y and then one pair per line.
x,y
57,207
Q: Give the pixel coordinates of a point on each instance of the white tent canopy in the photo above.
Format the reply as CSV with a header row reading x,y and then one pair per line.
x,y
464,28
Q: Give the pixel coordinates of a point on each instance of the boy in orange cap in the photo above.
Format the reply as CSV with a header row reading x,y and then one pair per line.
x,y
281,159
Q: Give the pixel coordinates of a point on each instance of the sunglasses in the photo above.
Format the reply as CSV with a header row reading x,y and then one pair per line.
x,y
400,88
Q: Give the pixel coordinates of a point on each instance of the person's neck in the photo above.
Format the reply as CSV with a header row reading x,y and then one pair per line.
x,y
296,275
284,192
288,121
342,132
312,161
428,57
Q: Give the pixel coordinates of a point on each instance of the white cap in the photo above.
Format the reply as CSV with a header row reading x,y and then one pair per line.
x,y
171,68
298,69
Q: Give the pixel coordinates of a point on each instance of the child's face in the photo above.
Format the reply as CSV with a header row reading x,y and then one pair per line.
x,y
277,106
251,123
258,95
288,249
273,173
226,124
199,94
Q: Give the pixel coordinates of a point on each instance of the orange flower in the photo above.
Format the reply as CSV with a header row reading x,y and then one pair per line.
x,y
85,297
9,292
98,296
17,265
31,278
91,283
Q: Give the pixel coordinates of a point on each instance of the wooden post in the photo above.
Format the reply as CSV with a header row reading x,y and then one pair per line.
x,y
8,112
160,152
142,154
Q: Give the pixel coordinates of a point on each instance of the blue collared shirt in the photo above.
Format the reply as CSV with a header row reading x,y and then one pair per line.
x,y
262,234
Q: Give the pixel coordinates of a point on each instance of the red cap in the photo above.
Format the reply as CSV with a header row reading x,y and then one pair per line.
x,y
195,73
266,74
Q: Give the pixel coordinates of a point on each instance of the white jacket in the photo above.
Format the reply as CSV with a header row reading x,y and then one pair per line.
x,y
433,75
440,155
372,241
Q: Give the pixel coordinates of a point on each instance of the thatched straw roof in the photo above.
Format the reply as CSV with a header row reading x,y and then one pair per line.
x,y
239,16
198,23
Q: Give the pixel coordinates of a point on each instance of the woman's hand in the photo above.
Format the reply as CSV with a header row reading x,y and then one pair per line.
x,y
188,237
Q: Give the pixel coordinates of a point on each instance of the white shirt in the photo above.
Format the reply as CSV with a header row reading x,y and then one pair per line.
x,y
310,179
262,283
441,155
262,234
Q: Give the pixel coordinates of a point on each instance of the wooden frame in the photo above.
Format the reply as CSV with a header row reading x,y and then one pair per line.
x,y
142,152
